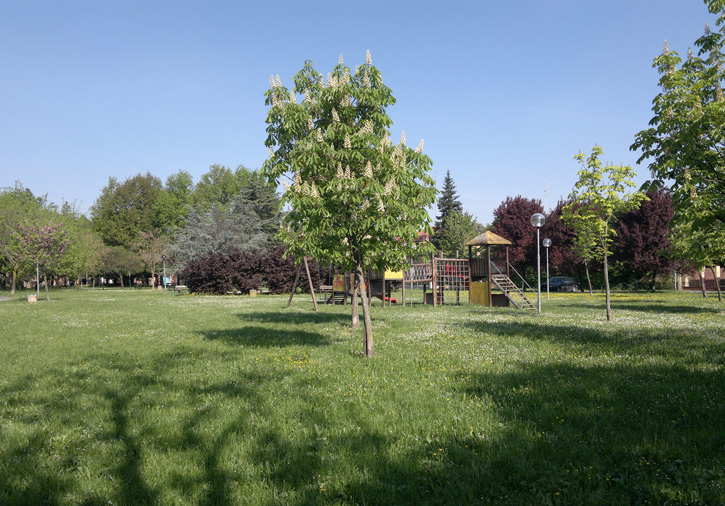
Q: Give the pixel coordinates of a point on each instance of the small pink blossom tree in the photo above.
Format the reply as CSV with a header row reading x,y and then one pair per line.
x,y
43,245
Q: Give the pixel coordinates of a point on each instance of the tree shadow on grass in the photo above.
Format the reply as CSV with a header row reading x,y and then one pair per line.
x,y
635,433
265,337
625,434
286,317
650,307
32,474
606,338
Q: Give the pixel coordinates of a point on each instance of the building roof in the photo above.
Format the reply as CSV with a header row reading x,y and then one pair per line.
x,y
488,238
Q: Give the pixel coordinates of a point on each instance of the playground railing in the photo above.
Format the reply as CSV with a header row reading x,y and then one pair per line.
x,y
524,284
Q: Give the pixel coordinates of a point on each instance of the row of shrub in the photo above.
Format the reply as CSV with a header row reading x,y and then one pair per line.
x,y
237,271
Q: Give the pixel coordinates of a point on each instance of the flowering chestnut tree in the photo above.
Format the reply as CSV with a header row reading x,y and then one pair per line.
x,y
42,245
354,198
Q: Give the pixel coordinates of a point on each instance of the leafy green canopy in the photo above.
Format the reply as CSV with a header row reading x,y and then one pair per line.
x,y
686,139
597,200
355,199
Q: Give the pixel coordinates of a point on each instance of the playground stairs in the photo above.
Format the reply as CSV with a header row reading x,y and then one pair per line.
x,y
512,292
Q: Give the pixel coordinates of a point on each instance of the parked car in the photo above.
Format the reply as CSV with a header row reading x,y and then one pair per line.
x,y
563,284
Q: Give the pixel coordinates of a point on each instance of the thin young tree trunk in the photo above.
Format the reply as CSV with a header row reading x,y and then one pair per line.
x,y
355,309
717,284
589,281
45,282
606,289
654,281
702,282
368,346
15,277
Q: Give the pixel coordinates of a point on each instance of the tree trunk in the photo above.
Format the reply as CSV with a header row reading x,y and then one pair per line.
x,y
368,347
606,289
717,284
355,308
15,278
702,282
654,281
589,280
45,282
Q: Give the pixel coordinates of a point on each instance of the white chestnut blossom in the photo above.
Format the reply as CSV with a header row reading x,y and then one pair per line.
x,y
419,149
368,58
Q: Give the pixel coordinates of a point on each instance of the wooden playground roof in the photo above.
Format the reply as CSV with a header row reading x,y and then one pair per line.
x,y
488,239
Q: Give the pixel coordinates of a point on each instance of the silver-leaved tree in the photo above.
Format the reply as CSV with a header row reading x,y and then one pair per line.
x,y
354,198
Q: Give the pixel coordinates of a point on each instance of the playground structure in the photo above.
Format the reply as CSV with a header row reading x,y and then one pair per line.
x,y
476,279
441,280
487,275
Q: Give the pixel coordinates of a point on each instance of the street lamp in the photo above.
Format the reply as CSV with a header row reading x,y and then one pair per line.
x,y
163,257
538,220
547,244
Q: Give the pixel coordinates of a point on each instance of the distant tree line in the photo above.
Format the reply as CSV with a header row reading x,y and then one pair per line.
x,y
136,224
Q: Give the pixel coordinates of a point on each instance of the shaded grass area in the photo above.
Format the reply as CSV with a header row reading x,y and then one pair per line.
x,y
127,397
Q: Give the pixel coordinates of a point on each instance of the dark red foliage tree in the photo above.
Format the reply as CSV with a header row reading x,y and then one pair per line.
x,y
562,259
511,220
643,237
239,271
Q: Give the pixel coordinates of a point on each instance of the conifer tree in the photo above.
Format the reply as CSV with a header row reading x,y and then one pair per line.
x,y
448,205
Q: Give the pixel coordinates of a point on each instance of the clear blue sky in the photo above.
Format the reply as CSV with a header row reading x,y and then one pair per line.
x,y
504,93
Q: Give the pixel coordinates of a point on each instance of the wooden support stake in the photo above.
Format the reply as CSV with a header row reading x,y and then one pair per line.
x,y
309,279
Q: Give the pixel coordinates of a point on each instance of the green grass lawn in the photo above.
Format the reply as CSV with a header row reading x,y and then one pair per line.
x,y
135,397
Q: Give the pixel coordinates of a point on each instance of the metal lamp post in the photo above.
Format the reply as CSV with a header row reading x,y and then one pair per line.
x,y
538,220
547,244
163,257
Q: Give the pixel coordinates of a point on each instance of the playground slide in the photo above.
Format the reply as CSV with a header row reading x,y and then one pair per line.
x,y
387,299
